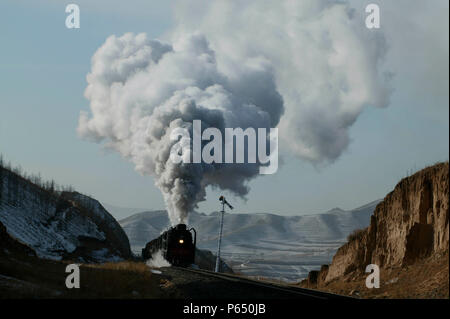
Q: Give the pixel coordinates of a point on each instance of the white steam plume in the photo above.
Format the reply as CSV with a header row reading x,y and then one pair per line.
x,y
308,67
140,90
326,62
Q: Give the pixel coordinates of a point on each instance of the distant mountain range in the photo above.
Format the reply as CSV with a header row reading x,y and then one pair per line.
x,y
68,225
263,244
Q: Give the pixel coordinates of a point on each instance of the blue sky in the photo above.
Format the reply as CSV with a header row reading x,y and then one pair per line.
x,y
43,67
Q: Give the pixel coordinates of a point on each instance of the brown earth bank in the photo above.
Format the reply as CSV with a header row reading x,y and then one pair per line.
x,y
408,238
426,279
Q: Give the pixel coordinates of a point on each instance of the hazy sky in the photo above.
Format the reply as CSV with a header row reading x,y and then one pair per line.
x,y
43,68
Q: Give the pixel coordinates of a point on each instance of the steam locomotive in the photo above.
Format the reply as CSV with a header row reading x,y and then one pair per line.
x,y
176,244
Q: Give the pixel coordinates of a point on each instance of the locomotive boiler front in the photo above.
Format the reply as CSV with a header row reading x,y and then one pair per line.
x,y
176,244
181,246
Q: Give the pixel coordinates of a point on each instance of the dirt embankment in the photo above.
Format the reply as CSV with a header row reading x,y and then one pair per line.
x,y
408,233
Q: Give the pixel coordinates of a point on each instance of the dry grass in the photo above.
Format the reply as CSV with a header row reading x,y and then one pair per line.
x,y
132,266
30,277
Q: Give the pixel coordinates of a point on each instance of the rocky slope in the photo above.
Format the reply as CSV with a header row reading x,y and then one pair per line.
x,y
59,225
409,226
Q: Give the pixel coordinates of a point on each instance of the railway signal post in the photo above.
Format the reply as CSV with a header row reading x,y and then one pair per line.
x,y
222,212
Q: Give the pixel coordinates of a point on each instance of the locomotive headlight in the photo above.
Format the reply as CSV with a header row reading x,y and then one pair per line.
x,y
181,241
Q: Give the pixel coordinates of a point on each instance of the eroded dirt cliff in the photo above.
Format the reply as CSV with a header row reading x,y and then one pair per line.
x,y
409,226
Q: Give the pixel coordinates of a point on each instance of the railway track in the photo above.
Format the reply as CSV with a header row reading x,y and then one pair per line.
x,y
296,292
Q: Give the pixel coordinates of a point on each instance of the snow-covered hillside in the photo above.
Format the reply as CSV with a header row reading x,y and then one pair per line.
x,y
267,245
59,225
